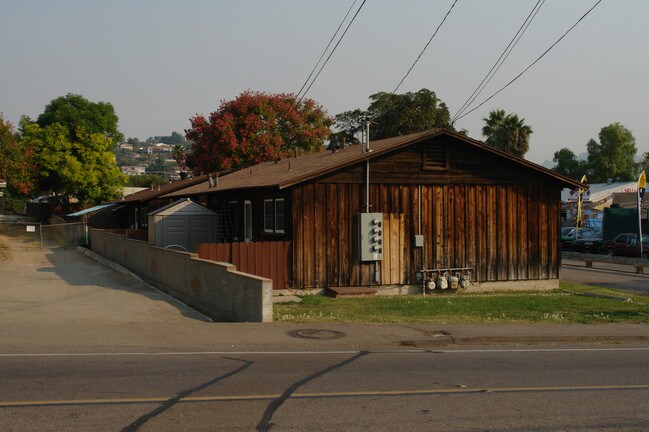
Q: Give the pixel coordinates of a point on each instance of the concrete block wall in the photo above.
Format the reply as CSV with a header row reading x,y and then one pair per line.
x,y
218,287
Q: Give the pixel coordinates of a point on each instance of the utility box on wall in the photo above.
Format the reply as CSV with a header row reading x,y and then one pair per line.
x,y
370,232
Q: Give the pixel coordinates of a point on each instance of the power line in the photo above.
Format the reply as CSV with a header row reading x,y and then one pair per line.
x,y
332,51
503,56
326,48
422,51
532,64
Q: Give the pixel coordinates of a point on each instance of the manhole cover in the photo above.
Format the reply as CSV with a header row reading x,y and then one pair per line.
x,y
316,334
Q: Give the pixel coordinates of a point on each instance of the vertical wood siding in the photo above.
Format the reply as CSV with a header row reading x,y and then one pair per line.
x,y
504,232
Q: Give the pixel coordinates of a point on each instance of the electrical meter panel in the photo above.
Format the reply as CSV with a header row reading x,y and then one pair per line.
x,y
370,236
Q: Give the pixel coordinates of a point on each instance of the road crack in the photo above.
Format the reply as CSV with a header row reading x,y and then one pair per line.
x,y
265,425
174,400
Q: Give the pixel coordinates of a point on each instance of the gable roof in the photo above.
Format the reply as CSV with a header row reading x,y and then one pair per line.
x,y
160,190
288,172
182,207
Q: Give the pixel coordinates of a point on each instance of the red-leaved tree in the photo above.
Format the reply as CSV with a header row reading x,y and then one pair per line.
x,y
16,166
256,127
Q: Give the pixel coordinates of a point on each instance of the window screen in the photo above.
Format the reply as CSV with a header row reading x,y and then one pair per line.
x,y
247,220
279,215
269,215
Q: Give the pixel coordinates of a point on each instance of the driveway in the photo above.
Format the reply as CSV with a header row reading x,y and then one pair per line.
x,y
60,297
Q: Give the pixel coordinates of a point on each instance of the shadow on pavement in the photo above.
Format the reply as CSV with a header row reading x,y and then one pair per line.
x,y
40,267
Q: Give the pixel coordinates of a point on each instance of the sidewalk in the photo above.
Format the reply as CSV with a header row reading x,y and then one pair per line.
x,y
61,301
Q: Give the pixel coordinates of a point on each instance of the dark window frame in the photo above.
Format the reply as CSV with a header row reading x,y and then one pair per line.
x,y
272,216
247,221
282,229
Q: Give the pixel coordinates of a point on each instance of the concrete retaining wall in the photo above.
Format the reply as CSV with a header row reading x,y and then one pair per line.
x,y
217,287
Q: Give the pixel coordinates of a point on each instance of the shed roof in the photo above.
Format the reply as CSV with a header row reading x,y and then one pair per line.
x,y
182,207
288,172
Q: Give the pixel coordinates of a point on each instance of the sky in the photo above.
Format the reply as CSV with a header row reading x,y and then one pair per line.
x,y
160,62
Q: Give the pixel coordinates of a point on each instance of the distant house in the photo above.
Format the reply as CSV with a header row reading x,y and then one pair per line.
x,y
436,200
133,169
160,147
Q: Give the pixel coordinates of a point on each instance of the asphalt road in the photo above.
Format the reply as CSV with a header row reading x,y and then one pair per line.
x,y
621,277
605,389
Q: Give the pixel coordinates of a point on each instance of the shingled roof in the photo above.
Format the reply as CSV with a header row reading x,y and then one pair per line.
x,y
289,172
159,190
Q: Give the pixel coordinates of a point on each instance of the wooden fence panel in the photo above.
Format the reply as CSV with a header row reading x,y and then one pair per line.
x,y
243,262
235,254
259,259
273,258
267,259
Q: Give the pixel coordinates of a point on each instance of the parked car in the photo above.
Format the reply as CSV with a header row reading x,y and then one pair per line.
x,y
591,244
570,234
626,244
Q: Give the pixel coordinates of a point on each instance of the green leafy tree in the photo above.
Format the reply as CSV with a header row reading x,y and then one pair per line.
x,y
349,125
74,111
568,164
16,164
507,132
402,114
253,128
613,156
174,138
159,166
645,160
145,180
84,168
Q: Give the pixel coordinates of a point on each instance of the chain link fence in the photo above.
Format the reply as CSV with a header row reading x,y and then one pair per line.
x,y
36,235
68,234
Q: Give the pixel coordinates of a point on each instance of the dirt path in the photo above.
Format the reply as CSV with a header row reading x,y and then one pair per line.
x,y
4,249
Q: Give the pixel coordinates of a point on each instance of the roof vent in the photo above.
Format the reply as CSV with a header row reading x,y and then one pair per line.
x,y
212,180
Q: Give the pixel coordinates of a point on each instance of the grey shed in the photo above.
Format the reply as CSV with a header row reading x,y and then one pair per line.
x,y
182,224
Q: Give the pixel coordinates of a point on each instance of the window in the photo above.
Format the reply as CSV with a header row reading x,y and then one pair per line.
x,y
269,222
274,216
233,207
279,216
144,217
434,156
247,220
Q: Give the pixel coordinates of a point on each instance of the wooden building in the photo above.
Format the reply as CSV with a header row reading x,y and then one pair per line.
x,y
130,213
472,206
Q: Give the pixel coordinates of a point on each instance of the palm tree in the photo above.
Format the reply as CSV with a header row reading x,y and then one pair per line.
x,y
179,156
507,132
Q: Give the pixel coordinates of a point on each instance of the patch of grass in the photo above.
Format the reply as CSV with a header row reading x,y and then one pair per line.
x,y
566,305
